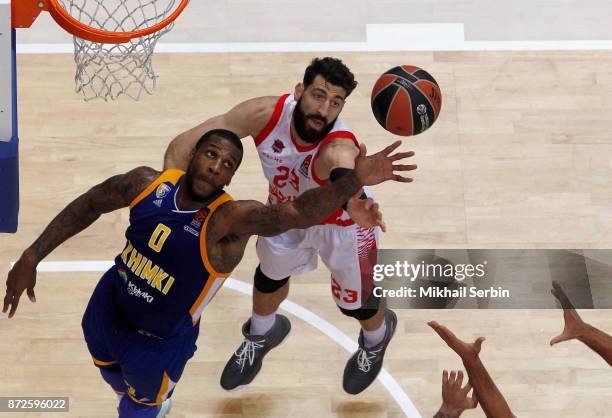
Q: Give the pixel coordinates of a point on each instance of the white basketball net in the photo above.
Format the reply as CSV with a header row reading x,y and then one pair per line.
x,y
107,71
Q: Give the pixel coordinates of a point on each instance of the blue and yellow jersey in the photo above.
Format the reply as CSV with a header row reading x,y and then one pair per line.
x,y
165,279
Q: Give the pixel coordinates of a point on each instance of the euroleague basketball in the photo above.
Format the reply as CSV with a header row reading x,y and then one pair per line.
x,y
406,100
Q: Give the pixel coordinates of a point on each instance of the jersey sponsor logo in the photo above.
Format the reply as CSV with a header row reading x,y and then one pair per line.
x,y
272,157
278,146
305,166
144,268
134,290
191,230
162,190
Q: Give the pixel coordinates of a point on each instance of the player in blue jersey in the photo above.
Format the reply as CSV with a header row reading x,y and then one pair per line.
x,y
186,235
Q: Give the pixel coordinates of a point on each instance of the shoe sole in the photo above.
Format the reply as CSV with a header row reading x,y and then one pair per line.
x,y
242,386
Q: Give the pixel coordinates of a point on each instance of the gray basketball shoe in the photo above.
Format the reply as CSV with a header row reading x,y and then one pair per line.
x,y
363,367
246,362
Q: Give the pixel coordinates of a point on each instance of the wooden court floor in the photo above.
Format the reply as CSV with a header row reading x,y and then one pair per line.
x,y
521,157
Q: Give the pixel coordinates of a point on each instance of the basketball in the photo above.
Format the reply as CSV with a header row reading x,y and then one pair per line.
x,y
406,100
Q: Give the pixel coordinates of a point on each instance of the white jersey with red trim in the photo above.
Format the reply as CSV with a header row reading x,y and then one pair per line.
x,y
288,166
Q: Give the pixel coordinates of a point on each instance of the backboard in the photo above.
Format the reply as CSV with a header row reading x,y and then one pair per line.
x,y
9,167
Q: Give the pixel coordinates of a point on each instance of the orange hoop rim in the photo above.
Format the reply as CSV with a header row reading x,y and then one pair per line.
x,y
81,30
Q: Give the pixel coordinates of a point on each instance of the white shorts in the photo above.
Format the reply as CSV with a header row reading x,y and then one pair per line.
x,y
348,252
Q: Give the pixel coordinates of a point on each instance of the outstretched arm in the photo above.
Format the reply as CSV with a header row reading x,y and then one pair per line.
x,y
455,398
247,118
114,193
576,328
336,159
312,207
491,399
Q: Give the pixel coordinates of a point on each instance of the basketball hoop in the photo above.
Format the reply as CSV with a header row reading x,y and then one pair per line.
x,y
114,40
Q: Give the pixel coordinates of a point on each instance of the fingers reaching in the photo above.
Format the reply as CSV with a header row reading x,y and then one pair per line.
x,y
362,150
466,389
14,304
472,401
11,300
7,300
558,339
31,295
478,343
383,225
561,296
452,378
442,331
459,380
388,150
402,179
404,167
401,155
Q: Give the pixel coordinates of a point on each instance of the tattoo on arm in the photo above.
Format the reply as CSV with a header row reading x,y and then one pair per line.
x,y
114,193
309,209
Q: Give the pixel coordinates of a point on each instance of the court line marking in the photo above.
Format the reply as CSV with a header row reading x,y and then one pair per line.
x,y
395,390
379,37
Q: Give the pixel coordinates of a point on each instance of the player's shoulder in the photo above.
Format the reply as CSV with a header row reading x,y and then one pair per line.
x,y
141,177
261,107
132,185
343,143
226,219
255,113
145,172
339,149
238,208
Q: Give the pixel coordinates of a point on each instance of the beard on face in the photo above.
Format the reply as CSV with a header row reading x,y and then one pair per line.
x,y
306,133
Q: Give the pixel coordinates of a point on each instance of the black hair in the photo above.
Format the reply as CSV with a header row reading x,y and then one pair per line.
x,y
225,134
333,71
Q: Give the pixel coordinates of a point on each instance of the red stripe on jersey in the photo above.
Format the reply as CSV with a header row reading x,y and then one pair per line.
x,y
325,141
278,110
334,219
301,148
366,252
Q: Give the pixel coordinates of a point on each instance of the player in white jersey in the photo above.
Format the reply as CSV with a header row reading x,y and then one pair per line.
x,y
302,144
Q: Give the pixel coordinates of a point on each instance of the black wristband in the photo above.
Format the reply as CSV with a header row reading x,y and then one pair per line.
x,y
339,172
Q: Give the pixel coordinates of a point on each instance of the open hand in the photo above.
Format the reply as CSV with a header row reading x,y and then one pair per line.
x,y
574,325
465,350
379,167
455,398
366,213
21,277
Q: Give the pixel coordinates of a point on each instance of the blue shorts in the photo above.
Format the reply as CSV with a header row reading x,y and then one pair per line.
x,y
150,366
